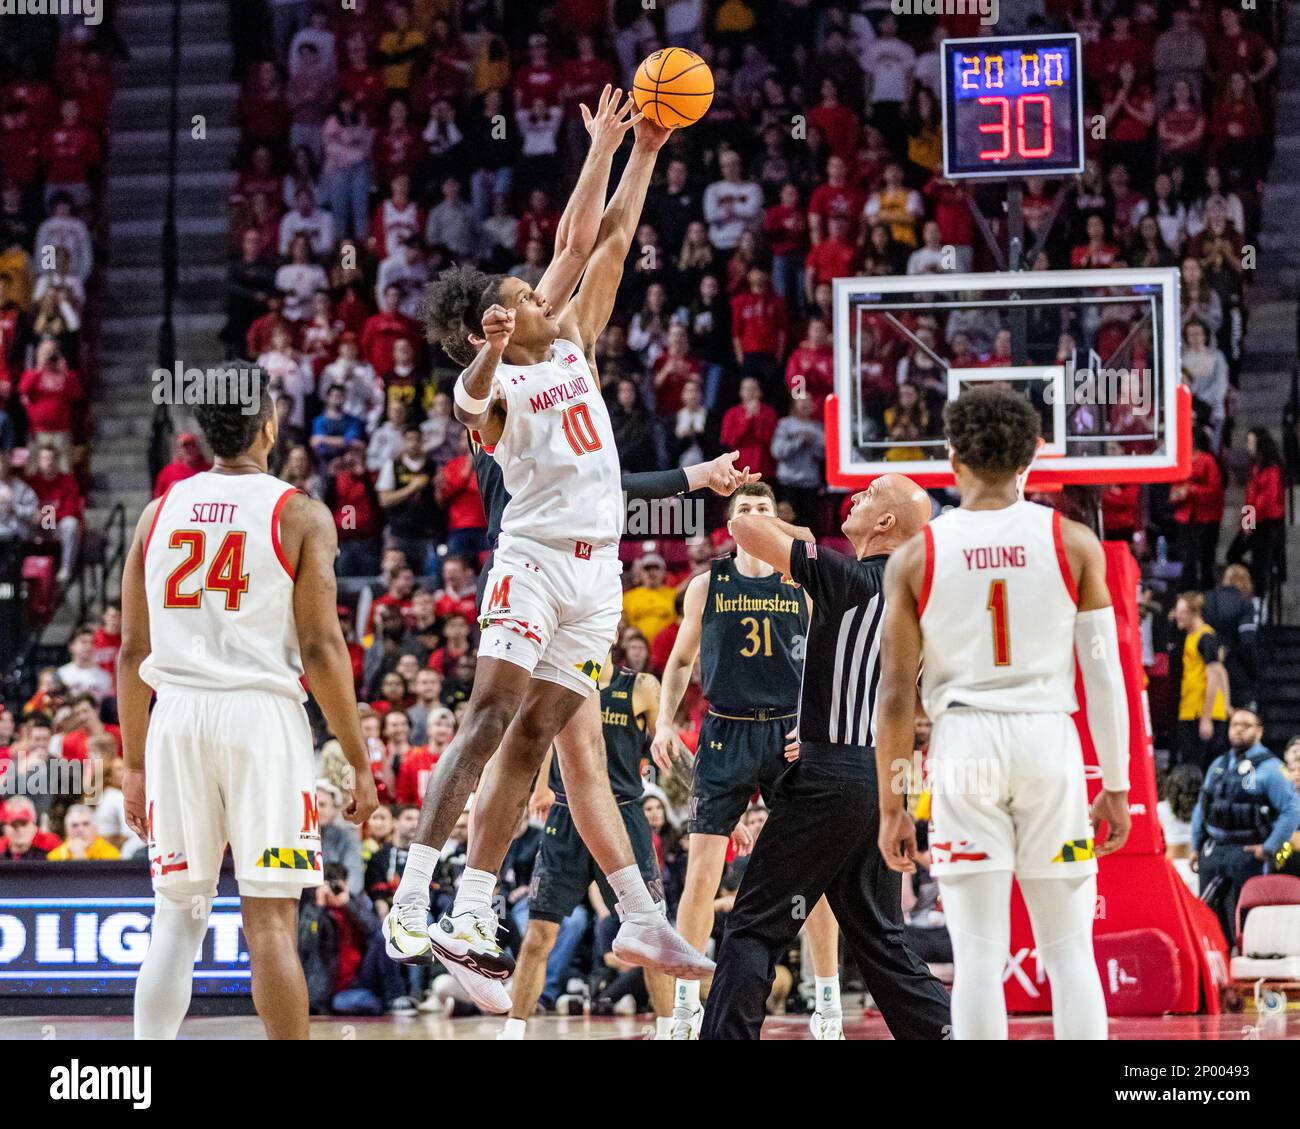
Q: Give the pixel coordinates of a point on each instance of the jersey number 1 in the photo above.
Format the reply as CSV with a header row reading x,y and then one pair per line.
x,y
997,605
580,431
225,574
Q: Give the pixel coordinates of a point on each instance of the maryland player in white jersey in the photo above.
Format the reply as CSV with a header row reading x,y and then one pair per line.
x,y
228,600
995,602
553,599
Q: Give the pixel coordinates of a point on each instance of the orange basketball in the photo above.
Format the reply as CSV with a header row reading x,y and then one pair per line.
x,y
673,87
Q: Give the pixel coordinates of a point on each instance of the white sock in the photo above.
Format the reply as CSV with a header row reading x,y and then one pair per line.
x,y
514,1029
828,993
166,978
475,891
630,890
663,1025
416,876
687,996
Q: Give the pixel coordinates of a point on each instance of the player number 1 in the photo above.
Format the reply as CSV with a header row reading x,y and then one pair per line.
x,y
997,605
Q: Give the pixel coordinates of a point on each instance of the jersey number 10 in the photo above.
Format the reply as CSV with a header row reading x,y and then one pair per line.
x,y
579,430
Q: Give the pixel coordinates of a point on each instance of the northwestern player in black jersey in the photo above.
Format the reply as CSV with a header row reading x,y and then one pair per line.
x,y
565,868
747,624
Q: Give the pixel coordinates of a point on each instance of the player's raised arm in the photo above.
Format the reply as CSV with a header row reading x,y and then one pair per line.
x,y
900,662
575,238
133,693
677,671
308,527
768,538
588,314
1096,648
719,475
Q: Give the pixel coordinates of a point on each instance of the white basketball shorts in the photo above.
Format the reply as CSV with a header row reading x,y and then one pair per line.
x,y
1007,792
551,610
231,767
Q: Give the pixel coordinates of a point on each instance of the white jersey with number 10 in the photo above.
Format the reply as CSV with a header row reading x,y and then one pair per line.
x,y
997,610
557,453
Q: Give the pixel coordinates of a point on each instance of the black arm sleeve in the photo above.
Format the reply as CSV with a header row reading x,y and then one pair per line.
x,y
655,484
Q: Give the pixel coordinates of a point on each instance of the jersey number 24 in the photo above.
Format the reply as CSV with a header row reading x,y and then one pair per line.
x,y
226,573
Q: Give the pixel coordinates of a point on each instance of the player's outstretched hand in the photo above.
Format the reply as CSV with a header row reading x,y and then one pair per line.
x,y
897,841
498,326
651,135
133,798
1110,808
614,115
364,800
725,476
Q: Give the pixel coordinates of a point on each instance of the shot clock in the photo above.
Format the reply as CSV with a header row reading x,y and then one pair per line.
x,y
1012,106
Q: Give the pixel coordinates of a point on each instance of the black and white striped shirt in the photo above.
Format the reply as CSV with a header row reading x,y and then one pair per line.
x,y
837,701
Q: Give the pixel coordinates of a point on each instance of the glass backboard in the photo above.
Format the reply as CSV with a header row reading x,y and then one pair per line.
x,y
1095,351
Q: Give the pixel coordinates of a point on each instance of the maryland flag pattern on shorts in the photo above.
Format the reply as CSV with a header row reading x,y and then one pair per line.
x,y
1076,850
589,669
290,858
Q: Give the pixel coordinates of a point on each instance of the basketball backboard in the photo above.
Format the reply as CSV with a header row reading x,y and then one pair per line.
x,y
1096,351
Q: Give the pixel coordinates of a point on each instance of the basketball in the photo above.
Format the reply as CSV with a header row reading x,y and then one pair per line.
x,y
673,87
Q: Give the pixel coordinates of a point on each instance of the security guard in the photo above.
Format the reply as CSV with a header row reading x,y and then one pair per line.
x,y
1246,813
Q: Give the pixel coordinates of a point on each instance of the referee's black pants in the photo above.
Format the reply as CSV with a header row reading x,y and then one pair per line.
x,y
821,839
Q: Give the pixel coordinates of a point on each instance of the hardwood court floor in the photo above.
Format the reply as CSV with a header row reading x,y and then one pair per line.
x,y
859,1026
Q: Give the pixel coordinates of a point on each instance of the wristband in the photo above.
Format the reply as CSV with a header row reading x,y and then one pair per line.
x,y
467,402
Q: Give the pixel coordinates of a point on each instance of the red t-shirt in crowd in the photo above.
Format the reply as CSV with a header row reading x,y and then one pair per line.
x,y
758,321
413,775
50,396
830,260
1264,492
173,473
460,494
71,153
106,649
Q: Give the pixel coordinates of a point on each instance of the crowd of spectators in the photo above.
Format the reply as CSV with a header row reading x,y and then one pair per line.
x,y
56,88
381,142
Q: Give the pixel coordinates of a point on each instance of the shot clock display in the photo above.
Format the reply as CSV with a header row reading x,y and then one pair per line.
x,y
1012,106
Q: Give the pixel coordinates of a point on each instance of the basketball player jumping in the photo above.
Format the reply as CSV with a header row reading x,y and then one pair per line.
x,y
565,867
228,599
747,624
994,603
554,594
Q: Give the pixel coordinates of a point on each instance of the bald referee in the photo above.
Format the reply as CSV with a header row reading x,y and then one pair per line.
x,y
821,835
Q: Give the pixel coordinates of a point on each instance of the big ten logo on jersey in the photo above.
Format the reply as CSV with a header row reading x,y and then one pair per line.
x,y
571,359
310,816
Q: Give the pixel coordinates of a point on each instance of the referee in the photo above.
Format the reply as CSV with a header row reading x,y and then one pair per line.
x,y
821,835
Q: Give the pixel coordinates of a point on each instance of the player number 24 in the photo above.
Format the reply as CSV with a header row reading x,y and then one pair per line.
x,y
225,574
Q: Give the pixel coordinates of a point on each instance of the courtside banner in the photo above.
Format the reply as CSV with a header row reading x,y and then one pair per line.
x,y
80,930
